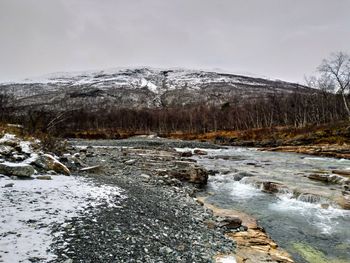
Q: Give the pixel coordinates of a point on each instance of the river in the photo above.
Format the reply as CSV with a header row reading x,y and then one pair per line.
x,y
302,217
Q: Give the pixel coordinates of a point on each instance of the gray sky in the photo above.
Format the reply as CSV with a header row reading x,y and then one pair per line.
x,y
282,39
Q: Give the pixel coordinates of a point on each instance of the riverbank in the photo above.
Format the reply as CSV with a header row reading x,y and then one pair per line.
x,y
124,201
331,140
159,221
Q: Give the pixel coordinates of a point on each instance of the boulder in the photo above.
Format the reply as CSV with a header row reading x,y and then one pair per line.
x,y
344,202
319,177
273,187
16,169
48,162
189,172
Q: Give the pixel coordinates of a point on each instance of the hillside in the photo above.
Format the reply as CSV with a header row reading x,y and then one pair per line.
x,y
143,88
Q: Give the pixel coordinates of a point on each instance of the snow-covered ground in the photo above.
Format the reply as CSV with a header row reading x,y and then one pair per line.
x,y
29,208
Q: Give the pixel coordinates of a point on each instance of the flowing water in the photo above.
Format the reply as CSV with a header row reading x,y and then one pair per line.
x,y
301,217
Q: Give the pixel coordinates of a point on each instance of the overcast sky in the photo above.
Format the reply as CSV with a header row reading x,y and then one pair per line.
x,y
282,39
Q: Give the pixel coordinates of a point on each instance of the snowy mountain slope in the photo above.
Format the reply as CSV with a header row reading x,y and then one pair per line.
x,y
143,87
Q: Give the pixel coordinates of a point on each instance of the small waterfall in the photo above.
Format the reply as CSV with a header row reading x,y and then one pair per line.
x,y
285,191
310,198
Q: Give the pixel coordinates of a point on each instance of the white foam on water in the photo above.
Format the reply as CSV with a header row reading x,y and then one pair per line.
x,y
325,219
243,191
30,207
237,190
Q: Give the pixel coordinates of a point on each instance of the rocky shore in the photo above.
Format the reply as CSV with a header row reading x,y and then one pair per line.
x,y
152,217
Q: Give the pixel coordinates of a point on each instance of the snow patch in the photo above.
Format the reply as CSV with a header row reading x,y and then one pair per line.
x,y
31,207
226,259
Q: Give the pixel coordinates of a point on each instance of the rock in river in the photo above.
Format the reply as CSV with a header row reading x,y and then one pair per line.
x,y
200,152
273,187
187,171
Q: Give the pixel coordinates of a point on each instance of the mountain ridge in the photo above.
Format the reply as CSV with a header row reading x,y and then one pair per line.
x,y
144,87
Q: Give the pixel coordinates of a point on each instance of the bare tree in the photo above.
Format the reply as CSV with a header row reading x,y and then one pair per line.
x,y
336,70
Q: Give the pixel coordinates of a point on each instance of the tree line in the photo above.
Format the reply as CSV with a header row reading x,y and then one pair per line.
x,y
294,109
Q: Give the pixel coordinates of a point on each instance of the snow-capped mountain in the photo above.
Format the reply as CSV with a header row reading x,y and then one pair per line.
x,y
143,87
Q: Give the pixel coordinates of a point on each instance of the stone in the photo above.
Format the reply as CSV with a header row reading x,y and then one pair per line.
x,y
6,150
48,162
200,152
130,162
324,206
187,171
9,185
230,222
44,177
145,176
92,169
9,140
272,187
344,201
186,154
16,169
18,157
319,177
344,173
239,176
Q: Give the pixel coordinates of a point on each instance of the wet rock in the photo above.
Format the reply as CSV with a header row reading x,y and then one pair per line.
x,y
200,152
327,178
186,154
344,173
9,185
16,169
241,175
324,206
309,198
344,202
273,187
48,162
319,177
213,172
